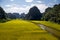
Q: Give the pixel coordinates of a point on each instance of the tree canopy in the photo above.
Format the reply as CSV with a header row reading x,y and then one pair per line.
x,y
52,14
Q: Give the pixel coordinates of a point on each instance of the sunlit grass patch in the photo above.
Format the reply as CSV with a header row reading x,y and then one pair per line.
x,y
49,24
23,30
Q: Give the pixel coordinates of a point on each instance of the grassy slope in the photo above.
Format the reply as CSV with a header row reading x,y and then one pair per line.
x,y
23,30
49,24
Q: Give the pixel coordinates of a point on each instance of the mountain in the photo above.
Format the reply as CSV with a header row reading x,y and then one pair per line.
x,y
13,15
33,14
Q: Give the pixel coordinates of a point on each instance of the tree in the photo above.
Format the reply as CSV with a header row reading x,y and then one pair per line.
x,y
52,14
33,14
47,14
56,9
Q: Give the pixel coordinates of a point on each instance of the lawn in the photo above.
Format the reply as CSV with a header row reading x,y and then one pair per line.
x,y
23,30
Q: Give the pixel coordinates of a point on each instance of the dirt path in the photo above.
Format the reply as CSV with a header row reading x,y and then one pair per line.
x,y
50,30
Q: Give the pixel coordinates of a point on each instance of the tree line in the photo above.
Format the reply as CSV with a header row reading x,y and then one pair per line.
x,y
51,14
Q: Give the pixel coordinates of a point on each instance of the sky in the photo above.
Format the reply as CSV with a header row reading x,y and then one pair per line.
x,y
23,6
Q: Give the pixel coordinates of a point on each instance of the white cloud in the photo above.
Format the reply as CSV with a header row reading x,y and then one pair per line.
x,y
41,7
28,0
11,0
7,5
17,8
14,9
39,1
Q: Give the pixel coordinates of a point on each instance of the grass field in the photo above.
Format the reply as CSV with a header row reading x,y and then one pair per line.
x,y
23,30
49,24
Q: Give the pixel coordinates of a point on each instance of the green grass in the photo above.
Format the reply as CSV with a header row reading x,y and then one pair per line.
x,y
23,30
49,24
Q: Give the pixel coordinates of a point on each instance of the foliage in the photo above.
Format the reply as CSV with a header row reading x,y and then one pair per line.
x,y
52,14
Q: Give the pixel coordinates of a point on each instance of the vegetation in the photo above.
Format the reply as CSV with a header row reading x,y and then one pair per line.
x,y
23,30
49,24
52,14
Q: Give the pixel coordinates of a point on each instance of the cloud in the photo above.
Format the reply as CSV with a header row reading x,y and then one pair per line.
x,y
28,0
7,5
11,0
17,8
39,1
14,9
41,7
